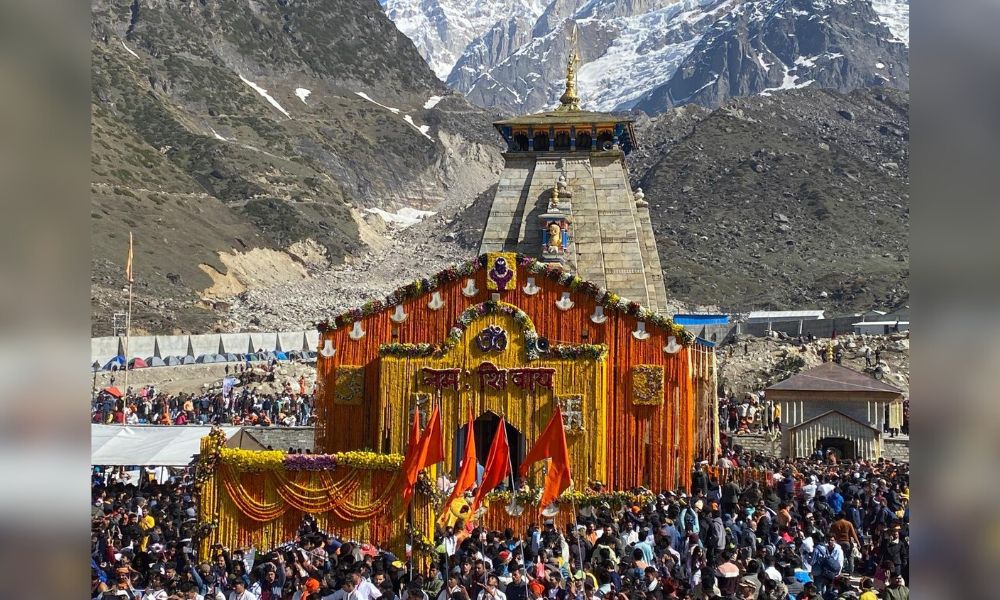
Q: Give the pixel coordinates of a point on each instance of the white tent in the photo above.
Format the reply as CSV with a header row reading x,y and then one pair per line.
x,y
148,445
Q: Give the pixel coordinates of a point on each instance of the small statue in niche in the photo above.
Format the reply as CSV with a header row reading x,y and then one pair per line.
x,y
555,238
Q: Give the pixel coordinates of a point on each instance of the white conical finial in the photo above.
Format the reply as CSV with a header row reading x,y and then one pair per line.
x,y
436,303
399,315
598,317
565,303
328,349
356,332
640,332
470,288
672,346
530,288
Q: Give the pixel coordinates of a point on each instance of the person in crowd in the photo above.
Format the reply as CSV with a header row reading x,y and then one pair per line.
x,y
764,529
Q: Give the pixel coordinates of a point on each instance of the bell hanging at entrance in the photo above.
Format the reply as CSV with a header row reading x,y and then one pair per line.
x,y
640,332
565,303
470,288
356,332
399,315
436,303
530,288
672,346
328,349
598,317
514,509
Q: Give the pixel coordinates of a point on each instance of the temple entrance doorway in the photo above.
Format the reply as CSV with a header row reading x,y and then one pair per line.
x,y
484,428
843,448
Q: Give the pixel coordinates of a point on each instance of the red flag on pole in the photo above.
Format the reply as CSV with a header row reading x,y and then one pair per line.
x,y
551,444
467,472
428,451
497,465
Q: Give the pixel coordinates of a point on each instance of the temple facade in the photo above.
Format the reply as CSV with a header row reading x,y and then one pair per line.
x,y
564,197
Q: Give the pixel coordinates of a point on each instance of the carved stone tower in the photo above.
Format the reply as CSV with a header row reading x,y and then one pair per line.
x,y
564,196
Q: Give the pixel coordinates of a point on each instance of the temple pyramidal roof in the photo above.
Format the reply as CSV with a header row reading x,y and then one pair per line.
x,y
831,377
565,197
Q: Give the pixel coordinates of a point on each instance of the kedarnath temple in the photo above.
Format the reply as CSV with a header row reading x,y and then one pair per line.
x,y
562,308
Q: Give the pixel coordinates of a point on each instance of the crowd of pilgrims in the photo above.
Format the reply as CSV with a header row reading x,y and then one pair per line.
x,y
292,407
807,529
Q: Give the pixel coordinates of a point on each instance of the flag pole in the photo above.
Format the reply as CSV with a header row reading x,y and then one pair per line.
x,y
513,500
128,316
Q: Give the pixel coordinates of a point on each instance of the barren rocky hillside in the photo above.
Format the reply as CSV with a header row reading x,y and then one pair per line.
x,y
243,142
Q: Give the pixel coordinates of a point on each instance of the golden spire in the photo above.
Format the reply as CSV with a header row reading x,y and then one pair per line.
x,y
570,100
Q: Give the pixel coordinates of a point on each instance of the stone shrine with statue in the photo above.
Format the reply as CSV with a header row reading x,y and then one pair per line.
x,y
566,168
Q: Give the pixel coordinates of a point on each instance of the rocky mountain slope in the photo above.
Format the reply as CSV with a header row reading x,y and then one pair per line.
x,y
632,48
796,200
442,29
764,46
245,143
800,199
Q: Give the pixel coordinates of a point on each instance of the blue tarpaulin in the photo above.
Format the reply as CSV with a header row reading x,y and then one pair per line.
x,y
701,319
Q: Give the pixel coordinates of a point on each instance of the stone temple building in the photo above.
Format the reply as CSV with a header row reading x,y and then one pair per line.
x,y
564,197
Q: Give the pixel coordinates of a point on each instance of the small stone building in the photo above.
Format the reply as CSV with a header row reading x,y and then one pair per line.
x,y
834,407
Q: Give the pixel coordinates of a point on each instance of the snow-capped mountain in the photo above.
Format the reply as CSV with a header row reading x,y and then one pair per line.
x,y
764,46
441,29
515,50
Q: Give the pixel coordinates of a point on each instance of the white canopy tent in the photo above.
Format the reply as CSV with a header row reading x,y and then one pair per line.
x,y
148,445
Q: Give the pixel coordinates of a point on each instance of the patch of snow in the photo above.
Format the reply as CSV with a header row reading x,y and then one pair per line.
x,y
217,136
432,102
403,217
806,61
302,93
760,59
879,65
423,129
394,111
788,82
130,51
266,96
895,14
833,55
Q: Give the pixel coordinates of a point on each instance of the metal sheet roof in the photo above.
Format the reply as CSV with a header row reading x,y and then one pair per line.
x,y
831,377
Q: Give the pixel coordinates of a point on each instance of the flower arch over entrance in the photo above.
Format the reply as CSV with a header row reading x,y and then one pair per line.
x,y
484,429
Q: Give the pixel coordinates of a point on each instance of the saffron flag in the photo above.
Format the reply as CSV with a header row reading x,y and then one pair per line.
x,y
428,451
497,465
128,261
412,449
551,444
467,472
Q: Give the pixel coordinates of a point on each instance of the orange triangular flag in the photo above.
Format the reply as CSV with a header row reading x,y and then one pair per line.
x,y
497,465
467,471
429,450
551,444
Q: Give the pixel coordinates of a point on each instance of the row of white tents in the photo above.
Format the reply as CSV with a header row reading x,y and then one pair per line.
x,y
207,348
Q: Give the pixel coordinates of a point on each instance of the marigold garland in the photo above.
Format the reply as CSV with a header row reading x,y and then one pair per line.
x,y
251,461
603,297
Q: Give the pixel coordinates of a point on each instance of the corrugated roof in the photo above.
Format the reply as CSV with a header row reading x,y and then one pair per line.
x,y
880,323
785,314
832,412
831,377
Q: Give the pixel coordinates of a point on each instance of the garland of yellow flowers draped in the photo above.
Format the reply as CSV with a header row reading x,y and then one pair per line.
x,y
267,495
249,498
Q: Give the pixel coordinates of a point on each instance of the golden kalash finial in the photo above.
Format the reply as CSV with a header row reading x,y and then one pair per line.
x,y
570,100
